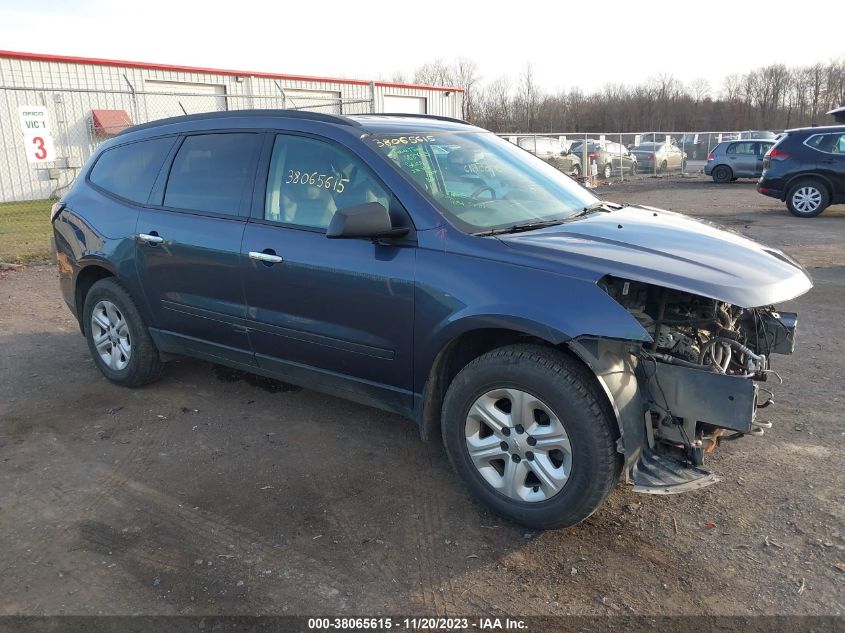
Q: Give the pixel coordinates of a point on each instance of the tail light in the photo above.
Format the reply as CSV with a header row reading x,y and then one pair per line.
x,y
593,155
776,154
711,157
55,210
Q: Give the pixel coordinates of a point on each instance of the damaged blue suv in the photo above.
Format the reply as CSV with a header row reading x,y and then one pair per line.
x,y
422,265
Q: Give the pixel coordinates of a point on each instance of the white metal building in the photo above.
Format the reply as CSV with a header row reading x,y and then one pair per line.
x,y
88,100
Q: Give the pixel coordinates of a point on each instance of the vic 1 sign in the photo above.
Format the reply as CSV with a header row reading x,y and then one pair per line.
x,y
38,143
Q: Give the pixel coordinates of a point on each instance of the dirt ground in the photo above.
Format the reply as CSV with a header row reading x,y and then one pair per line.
x,y
212,492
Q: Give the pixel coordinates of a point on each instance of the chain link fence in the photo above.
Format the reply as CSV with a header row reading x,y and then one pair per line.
x,y
595,158
38,164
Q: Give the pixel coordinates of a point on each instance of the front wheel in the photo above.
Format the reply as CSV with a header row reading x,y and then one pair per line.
x,y
525,428
807,199
117,336
608,171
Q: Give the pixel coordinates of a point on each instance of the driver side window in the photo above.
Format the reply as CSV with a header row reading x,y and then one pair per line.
x,y
310,179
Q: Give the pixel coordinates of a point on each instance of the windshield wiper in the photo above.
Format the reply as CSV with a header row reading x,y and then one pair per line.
x,y
519,228
600,205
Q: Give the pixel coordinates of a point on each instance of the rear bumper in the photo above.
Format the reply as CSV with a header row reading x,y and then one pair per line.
x,y
769,191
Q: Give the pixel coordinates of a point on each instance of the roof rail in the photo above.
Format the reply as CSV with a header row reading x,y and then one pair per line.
x,y
281,113
417,116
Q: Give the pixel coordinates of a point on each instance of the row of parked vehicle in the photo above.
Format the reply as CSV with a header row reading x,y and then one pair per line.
x,y
610,158
804,167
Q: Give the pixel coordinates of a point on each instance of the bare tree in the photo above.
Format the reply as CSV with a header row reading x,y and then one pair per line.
x,y
528,97
771,97
467,78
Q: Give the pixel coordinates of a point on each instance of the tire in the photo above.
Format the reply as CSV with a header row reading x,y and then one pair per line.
x,y
634,168
607,172
684,165
663,167
576,171
560,395
721,174
127,355
807,198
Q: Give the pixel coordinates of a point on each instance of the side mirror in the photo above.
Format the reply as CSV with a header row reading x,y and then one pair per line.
x,y
369,220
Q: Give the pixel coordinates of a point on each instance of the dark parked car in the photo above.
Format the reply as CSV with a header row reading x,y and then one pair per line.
x,y
806,169
610,158
430,268
697,145
550,150
658,137
736,159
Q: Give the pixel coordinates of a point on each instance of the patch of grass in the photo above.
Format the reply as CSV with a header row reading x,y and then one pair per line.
x,y
25,230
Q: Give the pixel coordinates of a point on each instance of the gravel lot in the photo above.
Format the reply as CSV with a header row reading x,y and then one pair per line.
x,y
213,492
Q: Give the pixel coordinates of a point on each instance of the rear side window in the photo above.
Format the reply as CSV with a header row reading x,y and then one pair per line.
x,y
830,143
129,171
211,172
742,148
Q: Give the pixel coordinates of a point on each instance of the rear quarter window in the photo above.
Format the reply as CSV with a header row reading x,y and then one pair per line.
x,y
129,171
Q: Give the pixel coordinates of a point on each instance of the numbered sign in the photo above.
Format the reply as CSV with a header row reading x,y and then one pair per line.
x,y
37,140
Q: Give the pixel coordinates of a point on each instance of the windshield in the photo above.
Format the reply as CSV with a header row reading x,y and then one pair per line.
x,y
481,182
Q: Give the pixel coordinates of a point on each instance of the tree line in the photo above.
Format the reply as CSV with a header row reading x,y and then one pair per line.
x,y
774,97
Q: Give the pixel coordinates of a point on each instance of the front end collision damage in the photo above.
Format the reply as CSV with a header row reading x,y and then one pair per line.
x,y
694,385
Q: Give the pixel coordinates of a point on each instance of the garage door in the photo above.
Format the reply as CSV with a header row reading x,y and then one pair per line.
x,y
326,101
405,105
194,98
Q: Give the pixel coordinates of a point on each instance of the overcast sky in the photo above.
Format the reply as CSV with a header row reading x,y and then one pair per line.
x,y
584,44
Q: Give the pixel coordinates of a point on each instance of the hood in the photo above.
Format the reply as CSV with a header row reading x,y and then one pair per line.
x,y
669,249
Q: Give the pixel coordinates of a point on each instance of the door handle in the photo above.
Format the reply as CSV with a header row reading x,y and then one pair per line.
x,y
265,257
150,238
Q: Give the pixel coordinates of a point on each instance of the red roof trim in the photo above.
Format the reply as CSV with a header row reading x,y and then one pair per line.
x,y
38,57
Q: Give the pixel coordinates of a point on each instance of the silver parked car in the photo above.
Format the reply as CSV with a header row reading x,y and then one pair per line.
x,y
737,159
552,151
659,157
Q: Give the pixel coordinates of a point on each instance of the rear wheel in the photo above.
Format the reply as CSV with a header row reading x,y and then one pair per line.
x,y
525,429
722,174
807,199
576,171
117,336
608,171
663,167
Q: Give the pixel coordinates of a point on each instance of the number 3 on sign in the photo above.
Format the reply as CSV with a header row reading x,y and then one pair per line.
x,y
39,149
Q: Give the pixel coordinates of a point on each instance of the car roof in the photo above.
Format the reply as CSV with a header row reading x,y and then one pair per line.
x,y
382,123
818,129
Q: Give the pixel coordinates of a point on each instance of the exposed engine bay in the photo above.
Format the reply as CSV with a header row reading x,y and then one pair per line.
x,y
700,374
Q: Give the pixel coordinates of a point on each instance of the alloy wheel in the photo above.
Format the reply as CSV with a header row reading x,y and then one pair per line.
x,y
110,334
806,199
518,445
